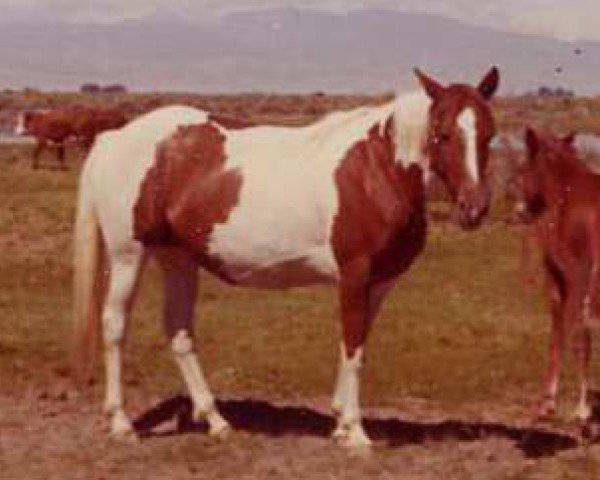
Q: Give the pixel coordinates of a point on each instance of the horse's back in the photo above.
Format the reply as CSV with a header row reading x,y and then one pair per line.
x,y
280,229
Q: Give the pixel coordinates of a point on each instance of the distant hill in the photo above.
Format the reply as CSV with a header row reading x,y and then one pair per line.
x,y
285,50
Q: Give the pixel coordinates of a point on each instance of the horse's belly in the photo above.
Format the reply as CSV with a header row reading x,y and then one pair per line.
x,y
267,269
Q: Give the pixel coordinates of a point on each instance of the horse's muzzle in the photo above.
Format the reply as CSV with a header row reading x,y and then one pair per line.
x,y
472,206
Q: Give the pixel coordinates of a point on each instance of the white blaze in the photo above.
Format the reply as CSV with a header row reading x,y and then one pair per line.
x,y
20,128
466,122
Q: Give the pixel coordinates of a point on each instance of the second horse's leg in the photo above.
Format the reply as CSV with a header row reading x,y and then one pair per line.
x,y
555,285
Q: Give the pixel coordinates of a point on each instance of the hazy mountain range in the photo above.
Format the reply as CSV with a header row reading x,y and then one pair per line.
x,y
292,50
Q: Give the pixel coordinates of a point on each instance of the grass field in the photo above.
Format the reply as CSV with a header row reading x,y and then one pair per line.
x,y
459,340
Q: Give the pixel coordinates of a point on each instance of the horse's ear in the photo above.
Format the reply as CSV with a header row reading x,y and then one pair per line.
x,y
489,84
532,142
569,139
432,87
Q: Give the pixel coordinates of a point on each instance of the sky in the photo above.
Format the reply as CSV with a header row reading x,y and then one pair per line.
x,y
571,20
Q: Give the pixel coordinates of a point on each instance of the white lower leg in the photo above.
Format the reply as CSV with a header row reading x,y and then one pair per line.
x,y
583,411
548,403
123,276
340,392
349,427
204,403
582,348
113,403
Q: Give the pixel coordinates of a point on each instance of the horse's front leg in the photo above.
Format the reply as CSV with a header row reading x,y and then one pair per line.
x,y
181,284
359,302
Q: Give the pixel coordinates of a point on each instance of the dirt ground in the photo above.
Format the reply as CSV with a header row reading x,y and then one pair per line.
x,y
56,432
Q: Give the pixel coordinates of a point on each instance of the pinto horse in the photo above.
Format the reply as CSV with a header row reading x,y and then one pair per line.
x,y
340,201
55,127
560,197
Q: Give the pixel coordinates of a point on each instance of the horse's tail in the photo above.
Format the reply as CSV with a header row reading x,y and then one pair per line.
x,y
88,284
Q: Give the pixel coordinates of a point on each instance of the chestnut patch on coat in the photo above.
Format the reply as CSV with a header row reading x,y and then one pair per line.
x,y
381,215
187,190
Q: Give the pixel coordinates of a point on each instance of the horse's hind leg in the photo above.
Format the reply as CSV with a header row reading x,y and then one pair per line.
x,y
582,347
124,273
583,340
181,284
575,312
555,284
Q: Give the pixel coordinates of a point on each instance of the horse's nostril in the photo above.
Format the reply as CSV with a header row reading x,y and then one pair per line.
x,y
474,213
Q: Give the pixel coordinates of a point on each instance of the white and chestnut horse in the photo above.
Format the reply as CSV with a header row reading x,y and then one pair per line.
x,y
339,201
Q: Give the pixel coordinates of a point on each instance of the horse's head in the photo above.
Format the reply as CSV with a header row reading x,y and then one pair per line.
x,y
461,126
23,122
544,156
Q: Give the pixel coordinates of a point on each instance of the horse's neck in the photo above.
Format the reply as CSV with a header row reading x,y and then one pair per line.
x,y
411,123
564,174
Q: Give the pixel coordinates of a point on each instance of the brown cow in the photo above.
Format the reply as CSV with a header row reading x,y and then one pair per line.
x,y
55,127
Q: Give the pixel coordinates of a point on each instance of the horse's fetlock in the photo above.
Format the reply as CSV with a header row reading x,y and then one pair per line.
x,y
113,331
182,343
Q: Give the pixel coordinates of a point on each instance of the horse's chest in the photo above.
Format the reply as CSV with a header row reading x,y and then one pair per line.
x,y
403,245
381,210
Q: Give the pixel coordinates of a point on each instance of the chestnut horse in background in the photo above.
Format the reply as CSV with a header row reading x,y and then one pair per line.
x,y
340,201
559,197
55,127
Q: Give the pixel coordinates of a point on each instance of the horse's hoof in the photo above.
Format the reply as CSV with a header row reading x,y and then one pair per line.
x,y
544,410
128,436
220,432
339,433
582,413
352,437
121,428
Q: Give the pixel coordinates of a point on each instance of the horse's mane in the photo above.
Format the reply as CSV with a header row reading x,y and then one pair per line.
x,y
361,118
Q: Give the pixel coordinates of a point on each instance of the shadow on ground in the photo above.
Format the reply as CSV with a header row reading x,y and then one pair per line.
x,y
262,417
